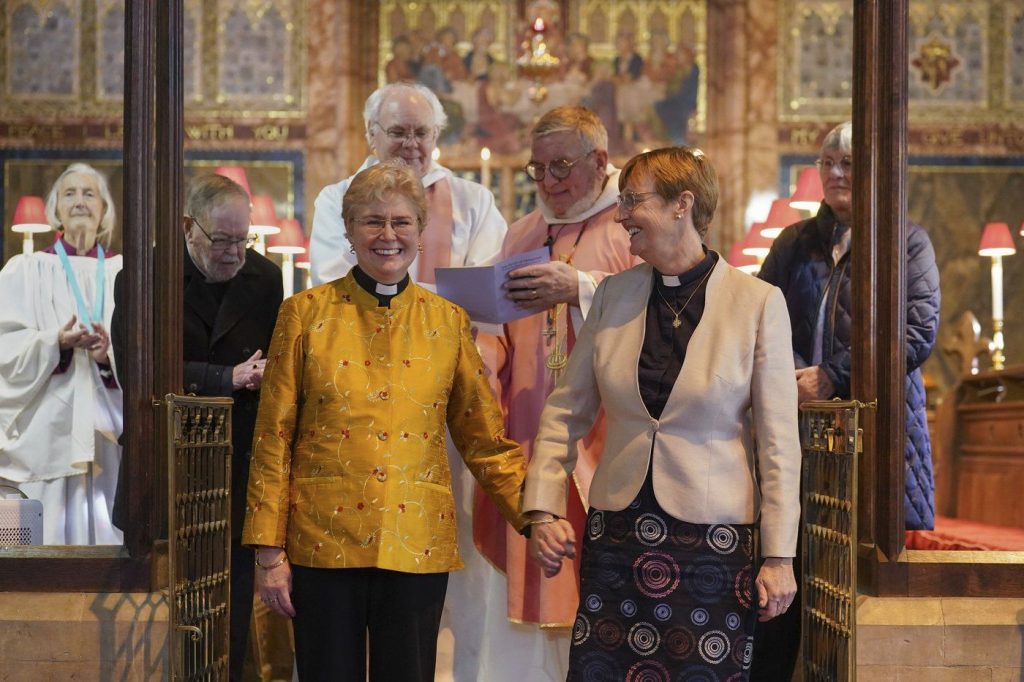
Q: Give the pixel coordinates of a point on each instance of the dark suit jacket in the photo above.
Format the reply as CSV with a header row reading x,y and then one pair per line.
x,y
218,336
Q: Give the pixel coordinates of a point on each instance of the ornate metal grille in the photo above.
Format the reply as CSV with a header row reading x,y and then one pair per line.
x,y
199,473
831,440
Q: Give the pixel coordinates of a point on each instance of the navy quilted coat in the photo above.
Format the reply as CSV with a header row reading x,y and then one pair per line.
x,y
800,263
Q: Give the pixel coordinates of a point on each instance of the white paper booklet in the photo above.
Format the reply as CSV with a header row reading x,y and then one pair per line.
x,y
479,289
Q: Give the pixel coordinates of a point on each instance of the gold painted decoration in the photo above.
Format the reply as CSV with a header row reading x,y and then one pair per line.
x,y
935,62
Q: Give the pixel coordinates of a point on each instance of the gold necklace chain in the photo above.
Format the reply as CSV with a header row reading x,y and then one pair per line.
x,y
676,322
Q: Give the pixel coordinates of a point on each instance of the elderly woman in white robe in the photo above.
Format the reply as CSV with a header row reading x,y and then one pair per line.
x,y
60,404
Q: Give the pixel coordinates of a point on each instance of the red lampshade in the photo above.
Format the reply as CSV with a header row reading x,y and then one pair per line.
x,y
780,216
996,240
756,244
743,261
289,240
809,192
236,173
30,215
264,215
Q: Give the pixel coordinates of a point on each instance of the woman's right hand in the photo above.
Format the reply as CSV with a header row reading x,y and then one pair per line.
x,y
550,543
274,585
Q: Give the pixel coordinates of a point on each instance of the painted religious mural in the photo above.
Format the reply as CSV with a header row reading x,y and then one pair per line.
x,y
496,69
966,59
66,57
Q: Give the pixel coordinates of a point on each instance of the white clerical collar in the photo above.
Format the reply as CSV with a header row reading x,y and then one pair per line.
x,y
605,199
387,289
667,280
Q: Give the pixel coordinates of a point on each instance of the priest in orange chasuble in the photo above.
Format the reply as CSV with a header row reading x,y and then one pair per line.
x,y
576,192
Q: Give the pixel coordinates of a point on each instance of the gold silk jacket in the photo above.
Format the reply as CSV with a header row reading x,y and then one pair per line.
x,y
350,465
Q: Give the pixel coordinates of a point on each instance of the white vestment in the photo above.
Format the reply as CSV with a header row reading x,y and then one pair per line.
x,y
58,432
478,229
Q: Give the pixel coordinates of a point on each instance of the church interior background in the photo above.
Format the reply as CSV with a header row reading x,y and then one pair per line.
x,y
277,86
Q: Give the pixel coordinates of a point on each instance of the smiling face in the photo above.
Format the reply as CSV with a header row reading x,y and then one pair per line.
x,y
80,206
405,129
576,193
837,180
655,233
385,235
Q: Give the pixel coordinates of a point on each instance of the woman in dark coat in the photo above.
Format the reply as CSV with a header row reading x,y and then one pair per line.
x,y
810,261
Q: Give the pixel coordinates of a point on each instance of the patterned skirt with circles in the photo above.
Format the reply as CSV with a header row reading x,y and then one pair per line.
x,y
662,599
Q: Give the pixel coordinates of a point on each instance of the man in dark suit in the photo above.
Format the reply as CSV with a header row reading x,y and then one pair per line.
x,y
231,299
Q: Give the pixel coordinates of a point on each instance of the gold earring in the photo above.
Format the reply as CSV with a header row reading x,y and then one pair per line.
x,y
679,215
419,247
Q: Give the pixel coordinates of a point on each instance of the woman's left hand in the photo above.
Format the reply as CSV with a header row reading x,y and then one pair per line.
x,y
776,587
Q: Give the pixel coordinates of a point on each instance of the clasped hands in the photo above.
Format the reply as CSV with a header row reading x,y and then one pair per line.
x,y
551,541
249,374
96,342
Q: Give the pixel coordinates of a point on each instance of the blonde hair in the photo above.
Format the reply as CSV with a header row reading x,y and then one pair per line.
x,y
380,181
676,170
106,228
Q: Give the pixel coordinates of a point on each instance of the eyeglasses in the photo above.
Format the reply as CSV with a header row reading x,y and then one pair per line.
x,y
559,168
628,201
223,243
401,135
845,164
375,226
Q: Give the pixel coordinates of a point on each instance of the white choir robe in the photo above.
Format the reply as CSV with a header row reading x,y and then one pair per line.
x,y
58,432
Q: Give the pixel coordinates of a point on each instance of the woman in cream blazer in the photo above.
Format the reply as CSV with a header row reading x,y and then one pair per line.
x,y
691,360
350,503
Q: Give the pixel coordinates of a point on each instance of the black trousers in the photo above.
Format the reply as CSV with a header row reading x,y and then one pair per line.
x,y
338,610
242,570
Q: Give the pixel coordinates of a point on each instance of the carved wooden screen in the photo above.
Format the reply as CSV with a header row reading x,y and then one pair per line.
x,y
831,440
199,472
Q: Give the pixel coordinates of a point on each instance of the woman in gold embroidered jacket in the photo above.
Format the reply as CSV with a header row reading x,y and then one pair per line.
x,y
349,503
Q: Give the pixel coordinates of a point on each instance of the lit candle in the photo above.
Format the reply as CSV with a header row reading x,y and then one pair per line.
x,y
485,167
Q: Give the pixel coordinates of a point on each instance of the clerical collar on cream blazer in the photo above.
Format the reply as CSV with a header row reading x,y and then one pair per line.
x,y
605,199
